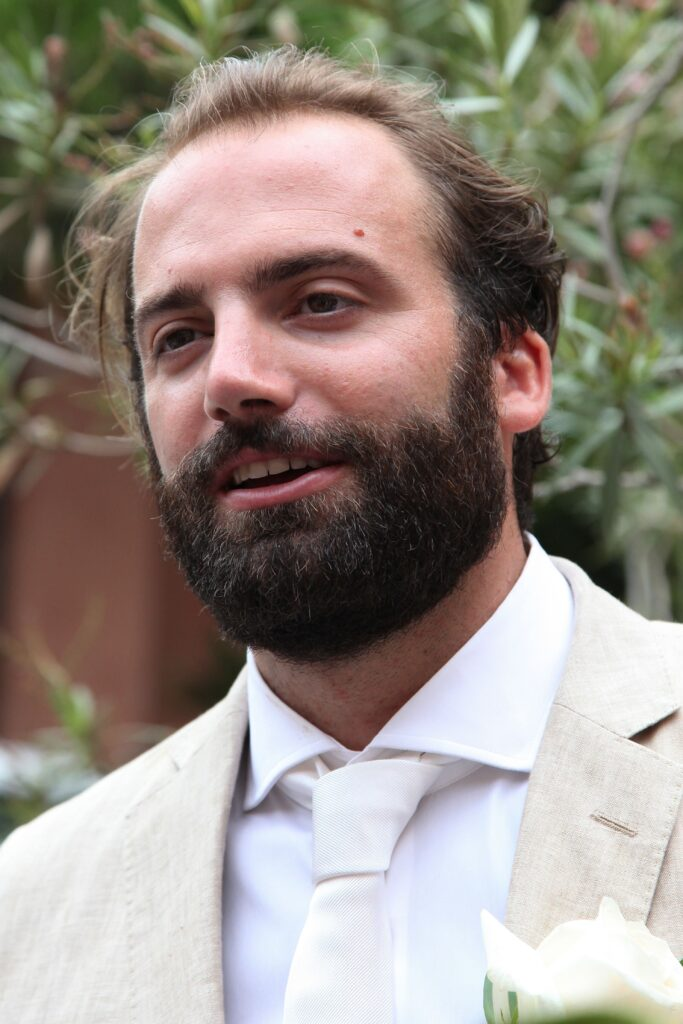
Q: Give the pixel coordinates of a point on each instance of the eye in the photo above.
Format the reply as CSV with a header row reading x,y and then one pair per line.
x,y
324,302
177,338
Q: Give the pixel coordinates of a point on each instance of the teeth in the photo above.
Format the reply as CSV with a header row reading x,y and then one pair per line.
x,y
258,470
277,466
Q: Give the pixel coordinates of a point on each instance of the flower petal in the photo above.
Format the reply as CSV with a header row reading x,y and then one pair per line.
x,y
514,967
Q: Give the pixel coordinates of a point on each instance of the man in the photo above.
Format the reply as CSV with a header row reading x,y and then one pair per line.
x,y
338,322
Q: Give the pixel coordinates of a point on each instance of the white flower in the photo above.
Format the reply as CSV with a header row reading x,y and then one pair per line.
x,y
606,964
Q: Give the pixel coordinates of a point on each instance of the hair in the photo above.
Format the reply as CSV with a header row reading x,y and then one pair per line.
x,y
491,233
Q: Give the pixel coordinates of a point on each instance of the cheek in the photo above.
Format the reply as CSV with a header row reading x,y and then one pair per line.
x,y
395,368
175,423
354,388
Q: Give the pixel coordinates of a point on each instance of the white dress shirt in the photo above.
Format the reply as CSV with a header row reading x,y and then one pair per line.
x,y
486,709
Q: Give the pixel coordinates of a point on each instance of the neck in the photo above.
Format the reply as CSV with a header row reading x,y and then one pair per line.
x,y
352,700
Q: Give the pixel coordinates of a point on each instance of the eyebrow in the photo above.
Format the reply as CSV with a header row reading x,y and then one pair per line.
x,y
265,274
180,296
268,273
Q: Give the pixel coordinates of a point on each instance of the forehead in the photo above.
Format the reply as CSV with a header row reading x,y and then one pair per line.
x,y
304,178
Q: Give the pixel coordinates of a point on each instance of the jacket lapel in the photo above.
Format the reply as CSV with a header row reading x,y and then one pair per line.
x,y
174,866
600,808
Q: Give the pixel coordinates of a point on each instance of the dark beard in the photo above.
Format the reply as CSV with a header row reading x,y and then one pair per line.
x,y
329,575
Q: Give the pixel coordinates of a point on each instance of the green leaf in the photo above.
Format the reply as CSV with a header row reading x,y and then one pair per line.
x,y
464,105
489,1010
210,10
192,10
11,213
582,241
656,455
66,138
604,426
174,36
570,94
501,32
520,48
488,1001
610,490
668,403
479,20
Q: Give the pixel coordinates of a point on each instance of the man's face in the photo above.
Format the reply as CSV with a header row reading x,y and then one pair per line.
x,y
293,320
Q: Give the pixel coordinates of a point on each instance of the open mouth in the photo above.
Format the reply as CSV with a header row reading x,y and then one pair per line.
x,y
268,472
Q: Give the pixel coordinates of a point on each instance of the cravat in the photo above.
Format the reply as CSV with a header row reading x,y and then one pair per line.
x,y
341,972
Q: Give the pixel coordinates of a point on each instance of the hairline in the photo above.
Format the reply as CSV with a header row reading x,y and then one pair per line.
x,y
432,223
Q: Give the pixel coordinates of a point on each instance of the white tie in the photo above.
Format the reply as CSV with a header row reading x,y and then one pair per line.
x,y
341,972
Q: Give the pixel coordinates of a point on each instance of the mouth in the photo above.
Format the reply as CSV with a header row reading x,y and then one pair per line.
x,y
268,472
259,480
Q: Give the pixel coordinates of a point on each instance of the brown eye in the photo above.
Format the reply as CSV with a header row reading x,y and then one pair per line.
x,y
323,302
179,338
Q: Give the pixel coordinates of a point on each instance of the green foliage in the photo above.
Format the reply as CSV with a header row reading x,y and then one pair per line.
x,y
511,1014
36,776
584,97
488,1001
598,1018
61,761
65,759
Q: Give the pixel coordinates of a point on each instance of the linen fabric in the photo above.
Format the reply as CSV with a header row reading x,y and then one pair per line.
x,y
483,715
110,904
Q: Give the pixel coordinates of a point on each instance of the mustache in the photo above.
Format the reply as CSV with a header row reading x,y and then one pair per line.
x,y
334,440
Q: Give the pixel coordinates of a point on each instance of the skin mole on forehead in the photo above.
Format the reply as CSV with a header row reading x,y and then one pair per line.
x,y
359,232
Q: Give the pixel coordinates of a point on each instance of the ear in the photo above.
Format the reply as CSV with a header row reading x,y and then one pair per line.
x,y
523,378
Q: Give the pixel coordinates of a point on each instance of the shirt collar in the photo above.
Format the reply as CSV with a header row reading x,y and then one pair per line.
x,y
488,704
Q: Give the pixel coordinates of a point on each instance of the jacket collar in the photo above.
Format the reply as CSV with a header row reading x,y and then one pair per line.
x,y
612,648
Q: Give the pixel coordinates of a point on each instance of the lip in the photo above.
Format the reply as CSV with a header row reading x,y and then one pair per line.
x,y
248,455
312,482
277,494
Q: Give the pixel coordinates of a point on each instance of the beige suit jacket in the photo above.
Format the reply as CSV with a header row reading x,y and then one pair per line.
x,y
110,905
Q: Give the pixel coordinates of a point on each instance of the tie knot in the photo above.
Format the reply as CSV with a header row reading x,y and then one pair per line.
x,y
360,811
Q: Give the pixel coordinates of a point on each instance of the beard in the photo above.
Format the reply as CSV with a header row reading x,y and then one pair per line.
x,y
330,575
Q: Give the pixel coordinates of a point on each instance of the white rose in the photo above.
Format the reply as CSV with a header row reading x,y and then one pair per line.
x,y
605,964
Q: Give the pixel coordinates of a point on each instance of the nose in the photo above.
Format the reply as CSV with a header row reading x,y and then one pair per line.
x,y
246,375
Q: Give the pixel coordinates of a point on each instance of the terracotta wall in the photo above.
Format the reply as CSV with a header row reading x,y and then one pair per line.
x,y
83,567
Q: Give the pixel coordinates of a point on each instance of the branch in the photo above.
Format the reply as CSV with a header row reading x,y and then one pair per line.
x,y
91,444
588,289
26,315
42,432
47,351
610,189
11,213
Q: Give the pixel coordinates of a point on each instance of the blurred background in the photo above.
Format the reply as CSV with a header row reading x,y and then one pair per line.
x,y
102,649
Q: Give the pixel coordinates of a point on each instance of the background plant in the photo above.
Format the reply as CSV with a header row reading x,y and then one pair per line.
x,y
585,98
78,750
